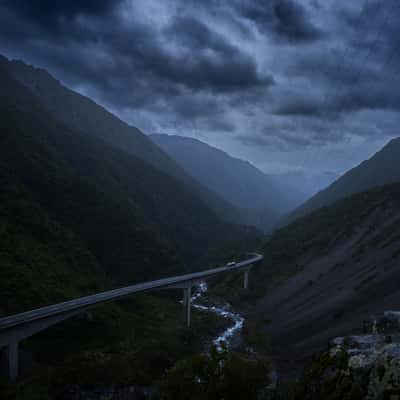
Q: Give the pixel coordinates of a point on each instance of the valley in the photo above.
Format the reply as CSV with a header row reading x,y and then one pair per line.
x,y
186,212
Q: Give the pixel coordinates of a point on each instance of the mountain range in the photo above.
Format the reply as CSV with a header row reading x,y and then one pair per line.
x,y
88,202
260,199
80,214
83,115
136,221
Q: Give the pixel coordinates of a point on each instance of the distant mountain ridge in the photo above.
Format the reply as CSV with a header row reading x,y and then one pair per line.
x,y
381,169
259,197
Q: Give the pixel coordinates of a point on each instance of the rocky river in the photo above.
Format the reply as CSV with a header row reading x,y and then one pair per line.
x,y
232,333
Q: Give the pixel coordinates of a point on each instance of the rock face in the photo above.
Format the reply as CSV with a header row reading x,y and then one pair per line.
x,y
363,366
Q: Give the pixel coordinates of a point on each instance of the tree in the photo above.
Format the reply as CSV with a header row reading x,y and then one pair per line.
x,y
215,376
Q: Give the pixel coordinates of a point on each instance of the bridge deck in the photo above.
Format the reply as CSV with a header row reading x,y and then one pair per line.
x,y
15,328
83,302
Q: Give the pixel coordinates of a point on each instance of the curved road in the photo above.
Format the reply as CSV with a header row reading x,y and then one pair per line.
x,y
17,327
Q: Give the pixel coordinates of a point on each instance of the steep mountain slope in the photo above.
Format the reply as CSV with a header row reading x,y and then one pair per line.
x,y
382,168
82,114
78,216
327,272
67,176
132,217
40,260
260,198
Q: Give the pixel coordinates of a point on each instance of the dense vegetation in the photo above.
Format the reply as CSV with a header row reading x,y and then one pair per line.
x,y
40,260
215,376
130,215
78,216
62,172
81,114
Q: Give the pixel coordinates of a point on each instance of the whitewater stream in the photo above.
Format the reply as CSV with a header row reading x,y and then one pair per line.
x,y
224,311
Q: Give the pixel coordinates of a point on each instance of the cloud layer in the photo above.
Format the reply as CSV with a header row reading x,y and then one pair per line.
x,y
283,83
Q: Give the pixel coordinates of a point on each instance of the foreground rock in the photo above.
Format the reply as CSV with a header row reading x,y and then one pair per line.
x,y
363,366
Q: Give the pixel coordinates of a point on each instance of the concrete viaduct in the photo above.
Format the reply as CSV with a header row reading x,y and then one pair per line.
x,y
18,327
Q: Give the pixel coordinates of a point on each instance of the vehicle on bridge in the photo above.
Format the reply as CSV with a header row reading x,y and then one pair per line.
x,y
231,264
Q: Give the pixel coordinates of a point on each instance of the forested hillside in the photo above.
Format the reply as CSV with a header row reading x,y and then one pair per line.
x,y
40,260
78,216
83,115
123,209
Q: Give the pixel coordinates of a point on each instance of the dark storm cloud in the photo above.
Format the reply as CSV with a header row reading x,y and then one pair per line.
x,y
282,20
49,13
49,9
268,74
361,74
281,141
300,106
131,64
287,135
205,59
286,20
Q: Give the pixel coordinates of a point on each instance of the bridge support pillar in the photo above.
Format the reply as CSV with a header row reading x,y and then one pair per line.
x,y
246,279
187,300
11,360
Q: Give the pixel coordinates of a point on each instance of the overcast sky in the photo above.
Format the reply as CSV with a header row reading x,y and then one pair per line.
x,y
307,85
